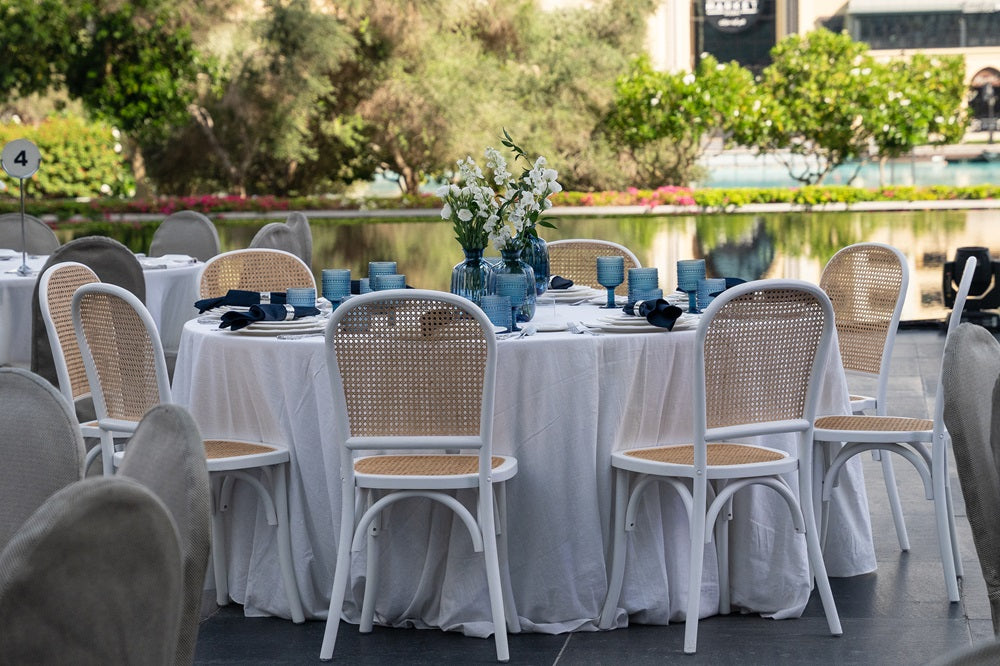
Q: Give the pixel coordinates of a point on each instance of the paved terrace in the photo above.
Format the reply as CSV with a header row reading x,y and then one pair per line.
x,y
898,614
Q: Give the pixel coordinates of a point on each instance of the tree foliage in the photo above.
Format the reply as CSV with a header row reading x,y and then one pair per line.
x,y
660,120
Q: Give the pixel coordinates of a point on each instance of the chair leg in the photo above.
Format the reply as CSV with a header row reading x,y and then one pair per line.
x,y
219,547
510,608
371,571
487,526
616,575
696,564
722,551
956,553
815,549
892,490
941,510
285,543
341,574
107,453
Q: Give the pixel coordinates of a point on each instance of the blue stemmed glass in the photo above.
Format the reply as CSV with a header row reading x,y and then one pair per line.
x,y
642,279
610,274
689,271
512,285
498,310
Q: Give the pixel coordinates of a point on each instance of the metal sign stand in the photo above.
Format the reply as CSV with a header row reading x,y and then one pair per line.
x,y
20,159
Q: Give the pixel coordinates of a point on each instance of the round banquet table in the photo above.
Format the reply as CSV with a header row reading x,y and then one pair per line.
x,y
171,290
564,402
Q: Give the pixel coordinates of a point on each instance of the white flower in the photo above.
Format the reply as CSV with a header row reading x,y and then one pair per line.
x,y
442,191
688,79
465,214
445,211
105,189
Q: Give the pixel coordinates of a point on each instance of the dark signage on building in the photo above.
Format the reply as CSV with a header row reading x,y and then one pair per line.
x,y
731,15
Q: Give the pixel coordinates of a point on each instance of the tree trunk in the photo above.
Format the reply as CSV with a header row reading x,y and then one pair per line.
x,y
143,188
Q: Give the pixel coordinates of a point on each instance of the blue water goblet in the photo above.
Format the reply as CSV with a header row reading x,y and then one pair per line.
x,y
336,283
708,289
376,268
383,282
498,310
512,285
610,274
689,271
642,279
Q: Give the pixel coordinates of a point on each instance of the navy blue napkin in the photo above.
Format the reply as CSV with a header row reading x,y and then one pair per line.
x,y
658,312
558,282
237,320
238,297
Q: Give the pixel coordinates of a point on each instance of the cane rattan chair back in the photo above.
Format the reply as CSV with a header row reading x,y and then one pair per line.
x,y
576,260
760,351
971,380
38,236
40,443
128,377
258,269
416,369
55,298
185,232
866,283
908,437
92,577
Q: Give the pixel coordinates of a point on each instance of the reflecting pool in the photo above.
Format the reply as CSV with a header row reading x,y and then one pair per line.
x,y
790,245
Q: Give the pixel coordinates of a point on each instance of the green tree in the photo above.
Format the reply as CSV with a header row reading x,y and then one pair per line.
x,y
660,120
921,104
812,100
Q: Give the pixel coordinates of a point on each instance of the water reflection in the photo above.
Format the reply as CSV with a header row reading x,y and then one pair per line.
x,y
790,245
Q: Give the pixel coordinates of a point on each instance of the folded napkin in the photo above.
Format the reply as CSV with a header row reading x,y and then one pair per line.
x,y
237,320
658,312
558,282
241,297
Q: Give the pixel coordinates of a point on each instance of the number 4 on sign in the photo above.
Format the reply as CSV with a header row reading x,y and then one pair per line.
x,y
20,158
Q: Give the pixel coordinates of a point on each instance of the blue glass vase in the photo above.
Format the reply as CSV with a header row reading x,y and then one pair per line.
x,y
536,255
511,262
471,277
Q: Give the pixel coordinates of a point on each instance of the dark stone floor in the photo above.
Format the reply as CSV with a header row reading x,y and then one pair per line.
x,y
898,615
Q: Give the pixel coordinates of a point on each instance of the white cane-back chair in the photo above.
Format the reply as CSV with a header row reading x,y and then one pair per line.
x,y
127,372
258,269
576,259
415,370
866,283
909,438
760,351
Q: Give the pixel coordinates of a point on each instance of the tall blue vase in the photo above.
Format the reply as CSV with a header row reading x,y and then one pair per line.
x,y
536,255
471,277
511,262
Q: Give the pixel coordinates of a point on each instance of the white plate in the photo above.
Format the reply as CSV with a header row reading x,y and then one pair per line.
x,y
277,331
302,322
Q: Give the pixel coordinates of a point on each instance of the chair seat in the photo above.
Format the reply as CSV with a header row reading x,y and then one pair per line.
x,y
414,471
872,428
725,459
223,454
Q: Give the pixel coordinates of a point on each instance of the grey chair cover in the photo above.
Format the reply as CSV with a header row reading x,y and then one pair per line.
x,y
294,235
185,232
166,455
39,238
92,577
40,444
114,264
970,372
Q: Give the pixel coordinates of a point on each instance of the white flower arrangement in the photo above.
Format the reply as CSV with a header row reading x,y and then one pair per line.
x,y
502,208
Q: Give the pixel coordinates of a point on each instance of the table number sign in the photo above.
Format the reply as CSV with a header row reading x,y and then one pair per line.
x,y
20,159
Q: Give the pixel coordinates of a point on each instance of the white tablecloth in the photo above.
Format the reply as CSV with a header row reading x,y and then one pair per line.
x,y
564,403
171,290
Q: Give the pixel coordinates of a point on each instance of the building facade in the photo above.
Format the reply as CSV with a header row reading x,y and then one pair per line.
x,y
745,31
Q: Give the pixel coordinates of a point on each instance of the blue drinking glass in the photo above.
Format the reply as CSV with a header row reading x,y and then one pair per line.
x,y
708,289
642,279
336,283
376,268
498,310
301,297
689,271
512,285
383,282
610,274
